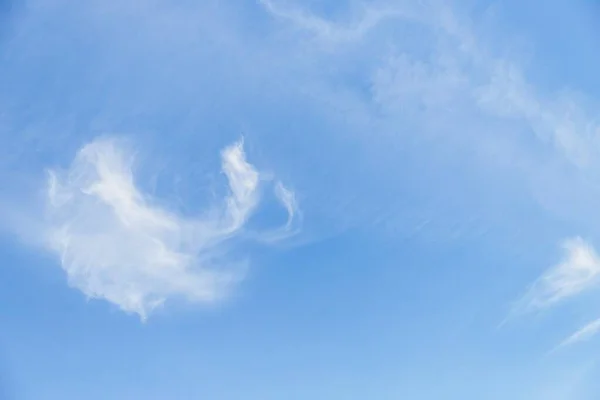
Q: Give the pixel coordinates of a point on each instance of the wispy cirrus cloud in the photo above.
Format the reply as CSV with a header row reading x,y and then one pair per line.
x,y
118,244
463,72
459,67
288,200
585,333
578,272
331,32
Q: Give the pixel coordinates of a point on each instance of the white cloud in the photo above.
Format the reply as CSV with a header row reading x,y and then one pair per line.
x,y
459,67
559,120
583,334
116,243
577,272
329,31
503,90
288,200
243,181
458,78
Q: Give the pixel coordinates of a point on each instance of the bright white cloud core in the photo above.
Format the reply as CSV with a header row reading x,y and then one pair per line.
x,y
116,244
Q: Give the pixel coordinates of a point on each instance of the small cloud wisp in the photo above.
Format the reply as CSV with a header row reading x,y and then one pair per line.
x,y
579,271
583,334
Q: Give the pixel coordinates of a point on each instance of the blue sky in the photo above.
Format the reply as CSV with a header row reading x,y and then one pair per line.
x,y
276,199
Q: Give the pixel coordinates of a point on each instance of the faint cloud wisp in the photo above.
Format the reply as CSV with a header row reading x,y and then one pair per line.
x,y
577,272
328,31
583,334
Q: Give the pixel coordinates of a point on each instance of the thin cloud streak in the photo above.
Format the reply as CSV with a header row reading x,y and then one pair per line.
x,y
331,32
586,333
288,200
578,272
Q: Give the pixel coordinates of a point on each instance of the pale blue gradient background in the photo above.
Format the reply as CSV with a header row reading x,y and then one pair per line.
x,y
421,228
